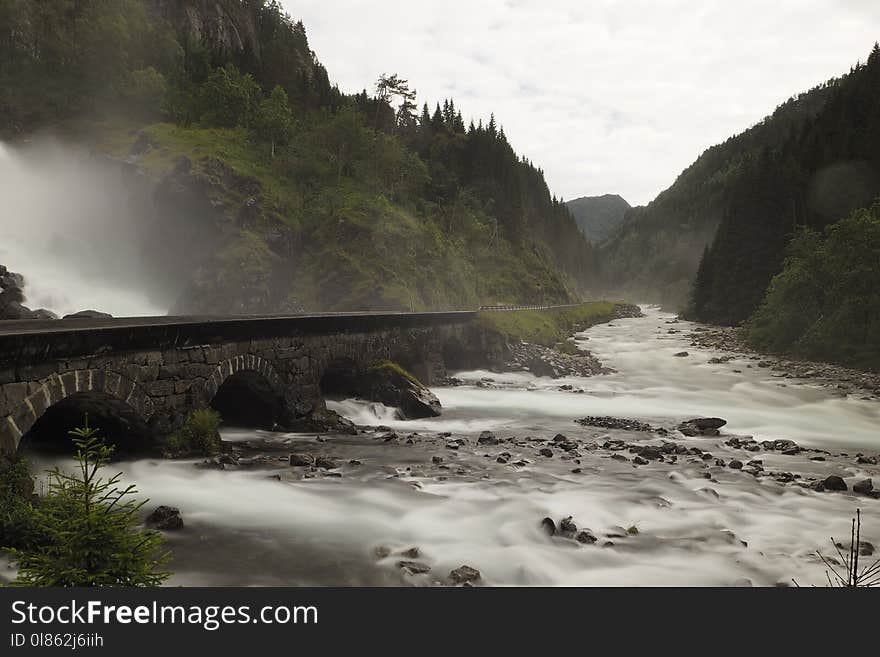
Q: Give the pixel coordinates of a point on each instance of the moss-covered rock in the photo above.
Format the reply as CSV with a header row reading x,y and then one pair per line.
x,y
389,383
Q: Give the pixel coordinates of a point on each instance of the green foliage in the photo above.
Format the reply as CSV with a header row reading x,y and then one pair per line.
x,y
198,435
811,163
384,366
17,527
547,327
351,201
64,58
91,530
824,304
145,93
228,98
274,120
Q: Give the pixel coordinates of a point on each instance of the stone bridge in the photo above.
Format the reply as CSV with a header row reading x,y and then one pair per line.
x,y
150,373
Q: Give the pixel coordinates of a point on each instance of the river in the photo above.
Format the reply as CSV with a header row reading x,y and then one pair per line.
x,y
269,525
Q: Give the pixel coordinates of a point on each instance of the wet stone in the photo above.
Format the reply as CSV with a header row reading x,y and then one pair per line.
x,y
414,567
834,483
301,459
464,575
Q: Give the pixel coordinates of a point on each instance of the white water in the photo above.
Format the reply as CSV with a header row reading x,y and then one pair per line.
x,y
247,528
68,229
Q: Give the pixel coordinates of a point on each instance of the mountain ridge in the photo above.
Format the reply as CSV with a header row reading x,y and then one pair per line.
x,y
598,217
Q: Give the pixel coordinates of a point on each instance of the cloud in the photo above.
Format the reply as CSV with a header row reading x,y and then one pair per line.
x,y
606,95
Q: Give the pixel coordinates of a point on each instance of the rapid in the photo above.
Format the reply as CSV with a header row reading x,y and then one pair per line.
x,y
657,524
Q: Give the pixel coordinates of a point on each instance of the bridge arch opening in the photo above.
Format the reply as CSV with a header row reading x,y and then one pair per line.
x,y
248,399
118,423
342,379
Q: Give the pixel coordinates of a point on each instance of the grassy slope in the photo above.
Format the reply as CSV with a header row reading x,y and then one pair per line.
x,y
547,327
359,249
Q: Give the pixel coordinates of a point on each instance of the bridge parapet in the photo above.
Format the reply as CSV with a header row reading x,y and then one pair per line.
x,y
163,368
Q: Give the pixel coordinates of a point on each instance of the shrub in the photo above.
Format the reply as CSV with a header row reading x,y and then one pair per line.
x,y
198,435
17,529
89,529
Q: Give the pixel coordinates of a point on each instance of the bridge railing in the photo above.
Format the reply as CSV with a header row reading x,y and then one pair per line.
x,y
509,308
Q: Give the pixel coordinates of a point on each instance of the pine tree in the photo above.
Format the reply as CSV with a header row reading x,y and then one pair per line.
x,y
91,529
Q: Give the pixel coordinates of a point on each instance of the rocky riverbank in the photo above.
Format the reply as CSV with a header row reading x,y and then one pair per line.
x,y
504,352
727,339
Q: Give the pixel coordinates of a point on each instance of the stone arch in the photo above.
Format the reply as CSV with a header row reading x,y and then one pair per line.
x,y
240,363
58,387
246,391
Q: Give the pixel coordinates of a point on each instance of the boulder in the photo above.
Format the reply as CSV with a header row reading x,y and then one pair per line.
x,y
464,574
488,438
834,482
414,567
165,517
586,537
326,463
863,487
651,452
390,384
703,426
567,527
302,459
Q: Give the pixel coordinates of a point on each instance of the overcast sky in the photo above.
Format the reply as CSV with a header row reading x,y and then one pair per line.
x,y
607,96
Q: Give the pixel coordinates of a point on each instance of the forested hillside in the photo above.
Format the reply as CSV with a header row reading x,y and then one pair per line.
x,y
713,242
599,217
306,196
654,257
823,171
825,303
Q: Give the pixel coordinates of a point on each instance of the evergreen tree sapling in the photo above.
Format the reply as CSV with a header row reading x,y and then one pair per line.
x,y
91,529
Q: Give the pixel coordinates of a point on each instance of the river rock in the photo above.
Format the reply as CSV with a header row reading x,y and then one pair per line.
x,y
586,537
651,452
301,459
166,518
567,527
414,567
546,451
326,463
704,426
835,483
863,487
682,354
464,574
488,438
735,464
388,383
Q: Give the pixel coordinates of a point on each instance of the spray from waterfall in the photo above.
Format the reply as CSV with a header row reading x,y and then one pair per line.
x,y
68,225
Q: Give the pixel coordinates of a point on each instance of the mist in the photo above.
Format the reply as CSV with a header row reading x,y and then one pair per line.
x,y
73,226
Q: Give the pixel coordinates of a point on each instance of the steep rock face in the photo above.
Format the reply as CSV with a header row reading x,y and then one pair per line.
x,y
12,298
231,260
599,216
225,26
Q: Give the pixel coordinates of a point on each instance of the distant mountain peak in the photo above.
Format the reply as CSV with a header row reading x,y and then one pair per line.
x,y
599,216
